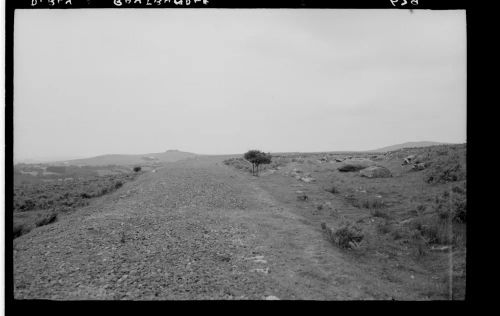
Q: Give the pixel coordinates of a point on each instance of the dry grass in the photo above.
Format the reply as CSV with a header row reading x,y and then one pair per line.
x,y
380,213
47,219
367,203
410,214
38,203
347,236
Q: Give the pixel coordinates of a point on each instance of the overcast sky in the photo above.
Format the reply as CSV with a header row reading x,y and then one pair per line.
x,y
91,82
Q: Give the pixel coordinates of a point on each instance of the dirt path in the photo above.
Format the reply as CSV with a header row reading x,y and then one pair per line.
x,y
194,229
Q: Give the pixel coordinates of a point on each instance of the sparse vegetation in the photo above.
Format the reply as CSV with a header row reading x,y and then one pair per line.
x,y
347,236
38,203
452,204
47,219
403,221
380,213
19,229
385,227
239,163
366,202
244,165
449,166
74,193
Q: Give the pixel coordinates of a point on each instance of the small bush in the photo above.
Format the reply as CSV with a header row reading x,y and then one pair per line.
x,y
85,195
347,236
19,230
47,219
137,169
257,158
380,213
420,244
452,204
433,230
398,233
238,163
448,169
385,227
421,209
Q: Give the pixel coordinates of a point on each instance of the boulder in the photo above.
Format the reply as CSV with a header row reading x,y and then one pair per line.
x,y
355,164
376,172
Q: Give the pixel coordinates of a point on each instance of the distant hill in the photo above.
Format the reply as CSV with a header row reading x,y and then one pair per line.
x,y
167,156
408,145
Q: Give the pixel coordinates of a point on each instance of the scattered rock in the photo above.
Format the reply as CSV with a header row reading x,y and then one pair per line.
x,y
407,160
439,249
307,179
355,164
376,172
259,270
418,166
257,259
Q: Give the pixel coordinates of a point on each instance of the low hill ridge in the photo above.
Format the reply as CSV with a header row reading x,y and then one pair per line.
x,y
408,145
170,155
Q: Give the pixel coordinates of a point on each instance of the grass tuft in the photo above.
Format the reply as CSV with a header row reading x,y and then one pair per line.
x,y
47,219
347,236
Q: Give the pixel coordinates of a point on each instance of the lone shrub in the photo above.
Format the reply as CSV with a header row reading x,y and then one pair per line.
x,y
137,169
257,158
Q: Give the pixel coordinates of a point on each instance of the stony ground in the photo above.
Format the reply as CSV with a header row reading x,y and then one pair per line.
x,y
195,229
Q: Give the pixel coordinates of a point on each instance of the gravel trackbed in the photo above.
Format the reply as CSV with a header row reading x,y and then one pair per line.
x,y
194,229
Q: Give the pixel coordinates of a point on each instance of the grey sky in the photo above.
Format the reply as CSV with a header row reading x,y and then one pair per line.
x,y
90,82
